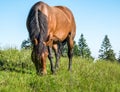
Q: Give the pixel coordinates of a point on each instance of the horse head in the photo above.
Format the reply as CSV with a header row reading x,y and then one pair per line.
x,y
39,57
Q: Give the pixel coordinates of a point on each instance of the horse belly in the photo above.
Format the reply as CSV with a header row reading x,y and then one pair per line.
x,y
61,35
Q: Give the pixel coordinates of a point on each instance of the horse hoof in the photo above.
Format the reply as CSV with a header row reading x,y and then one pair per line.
x,y
69,69
53,71
44,73
41,73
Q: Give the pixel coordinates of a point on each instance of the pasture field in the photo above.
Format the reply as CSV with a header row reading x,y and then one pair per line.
x,y
17,74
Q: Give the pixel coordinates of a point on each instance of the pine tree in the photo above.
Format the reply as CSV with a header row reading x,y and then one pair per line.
x,y
76,49
106,51
84,50
118,57
26,44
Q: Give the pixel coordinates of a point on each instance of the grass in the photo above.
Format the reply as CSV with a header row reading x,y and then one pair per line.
x,y
18,75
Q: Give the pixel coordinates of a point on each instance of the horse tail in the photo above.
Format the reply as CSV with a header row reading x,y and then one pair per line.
x,y
37,26
32,24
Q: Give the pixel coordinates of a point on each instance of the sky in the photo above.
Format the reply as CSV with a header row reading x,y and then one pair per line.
x,y
94,19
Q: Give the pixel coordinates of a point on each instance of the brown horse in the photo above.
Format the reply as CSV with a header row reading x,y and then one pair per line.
x,y
50,27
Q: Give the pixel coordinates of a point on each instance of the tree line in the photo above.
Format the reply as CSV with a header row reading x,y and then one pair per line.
x,y
82,49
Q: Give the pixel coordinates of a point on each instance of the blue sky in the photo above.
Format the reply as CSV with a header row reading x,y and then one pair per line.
x,y
94,18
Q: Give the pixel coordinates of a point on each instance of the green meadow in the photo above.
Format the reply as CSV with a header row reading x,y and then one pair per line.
x,y
17,74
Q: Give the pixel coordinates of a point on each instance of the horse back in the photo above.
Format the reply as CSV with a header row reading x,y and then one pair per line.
x,y
61,22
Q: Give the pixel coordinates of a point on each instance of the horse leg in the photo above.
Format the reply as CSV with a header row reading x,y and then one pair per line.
x,y
70,51
60,48
57,55
50,58
43,63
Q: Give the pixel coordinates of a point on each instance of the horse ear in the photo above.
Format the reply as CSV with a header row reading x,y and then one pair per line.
x,y
36,41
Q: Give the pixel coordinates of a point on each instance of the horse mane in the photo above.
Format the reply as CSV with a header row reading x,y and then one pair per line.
x,y
37,27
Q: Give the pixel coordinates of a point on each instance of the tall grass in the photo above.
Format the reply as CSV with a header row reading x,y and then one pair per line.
x,y
17,74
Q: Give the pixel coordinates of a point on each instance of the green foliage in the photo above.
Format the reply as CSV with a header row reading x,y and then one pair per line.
x,y
118,57
106,51
84,50
26,44
15,60
65,50
76,49
18,74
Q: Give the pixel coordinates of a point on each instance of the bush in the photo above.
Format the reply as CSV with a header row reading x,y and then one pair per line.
x,y
13,59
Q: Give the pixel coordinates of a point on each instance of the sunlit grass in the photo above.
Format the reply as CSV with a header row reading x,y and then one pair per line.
x,y
86,76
